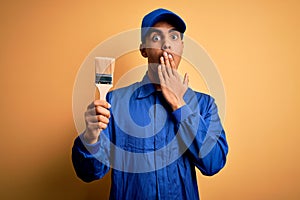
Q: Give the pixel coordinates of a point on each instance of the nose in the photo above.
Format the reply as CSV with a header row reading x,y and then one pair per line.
x,y
166,45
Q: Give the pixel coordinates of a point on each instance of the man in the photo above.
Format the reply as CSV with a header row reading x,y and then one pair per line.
x,y
153,133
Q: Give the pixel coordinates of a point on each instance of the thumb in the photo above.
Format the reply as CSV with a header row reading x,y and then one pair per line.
x,y
186,79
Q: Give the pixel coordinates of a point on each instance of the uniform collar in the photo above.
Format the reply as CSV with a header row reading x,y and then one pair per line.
x,y
146,87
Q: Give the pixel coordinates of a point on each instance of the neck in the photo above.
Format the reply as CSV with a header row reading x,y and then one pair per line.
x,y
154,79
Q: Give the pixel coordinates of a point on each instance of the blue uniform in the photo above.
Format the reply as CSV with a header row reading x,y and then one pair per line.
x,y
152,150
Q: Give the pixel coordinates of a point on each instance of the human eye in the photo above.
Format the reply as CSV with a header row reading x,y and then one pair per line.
x,y
156,38
174,36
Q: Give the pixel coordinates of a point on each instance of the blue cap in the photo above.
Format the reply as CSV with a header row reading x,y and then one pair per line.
x,y
161,15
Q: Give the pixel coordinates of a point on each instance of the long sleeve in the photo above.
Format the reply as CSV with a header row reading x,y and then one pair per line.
x,y
201,132
90,161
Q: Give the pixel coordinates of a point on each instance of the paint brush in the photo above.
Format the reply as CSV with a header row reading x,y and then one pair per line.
x,y
104,69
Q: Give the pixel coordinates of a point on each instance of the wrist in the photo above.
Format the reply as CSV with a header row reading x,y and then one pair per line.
x,y
88,139
178,105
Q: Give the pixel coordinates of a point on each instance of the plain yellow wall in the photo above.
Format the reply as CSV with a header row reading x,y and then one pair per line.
x,y
255,45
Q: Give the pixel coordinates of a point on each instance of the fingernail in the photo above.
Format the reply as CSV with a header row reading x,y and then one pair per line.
x,y
108,105
165,54
170,56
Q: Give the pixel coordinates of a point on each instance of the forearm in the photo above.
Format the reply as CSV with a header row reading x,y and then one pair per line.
x,y
203,137
87,162
212,158
208,149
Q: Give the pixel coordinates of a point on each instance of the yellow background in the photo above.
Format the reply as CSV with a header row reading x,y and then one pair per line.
x,y
255,45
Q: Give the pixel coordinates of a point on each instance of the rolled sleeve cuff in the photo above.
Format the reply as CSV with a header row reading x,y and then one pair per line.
x,y
182,113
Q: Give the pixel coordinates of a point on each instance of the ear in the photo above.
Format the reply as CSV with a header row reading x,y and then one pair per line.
x,y
182,47
143,50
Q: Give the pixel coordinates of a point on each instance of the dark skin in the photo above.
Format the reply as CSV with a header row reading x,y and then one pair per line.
x,y
163,48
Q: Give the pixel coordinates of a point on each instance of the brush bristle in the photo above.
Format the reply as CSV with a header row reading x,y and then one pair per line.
x,y
103,79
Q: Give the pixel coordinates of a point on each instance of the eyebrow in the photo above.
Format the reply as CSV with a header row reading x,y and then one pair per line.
x,y
152,30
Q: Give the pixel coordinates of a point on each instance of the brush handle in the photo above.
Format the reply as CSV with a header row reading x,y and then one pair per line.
x,y
103,90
